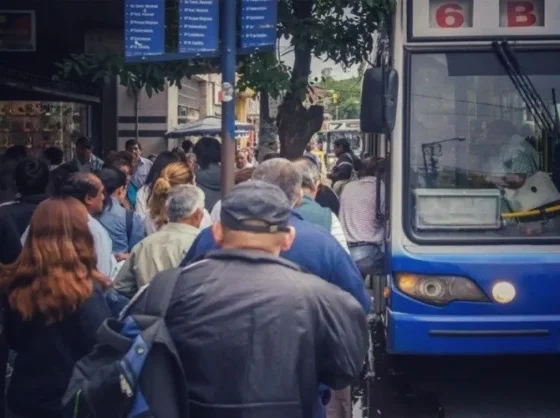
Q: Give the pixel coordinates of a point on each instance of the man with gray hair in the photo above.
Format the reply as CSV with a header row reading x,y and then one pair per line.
x,y
309,209
165,248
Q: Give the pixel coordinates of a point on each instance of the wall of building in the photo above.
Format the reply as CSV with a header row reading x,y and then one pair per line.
x,y
142,117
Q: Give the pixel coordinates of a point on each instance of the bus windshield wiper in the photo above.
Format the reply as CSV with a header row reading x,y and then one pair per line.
x,y
530,86
522,83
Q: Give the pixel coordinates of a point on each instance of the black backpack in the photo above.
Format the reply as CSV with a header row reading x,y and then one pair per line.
x,y
134,370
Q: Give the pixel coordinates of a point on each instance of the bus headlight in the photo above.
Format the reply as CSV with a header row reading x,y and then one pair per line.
x,y
503,292
439,290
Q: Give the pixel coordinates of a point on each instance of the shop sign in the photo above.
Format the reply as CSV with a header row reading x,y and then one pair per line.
x,y
17,31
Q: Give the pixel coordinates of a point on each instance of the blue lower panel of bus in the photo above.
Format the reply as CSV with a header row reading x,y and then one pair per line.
x,y
529,324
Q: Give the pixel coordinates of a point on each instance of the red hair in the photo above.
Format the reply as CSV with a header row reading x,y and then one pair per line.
x,y
56,269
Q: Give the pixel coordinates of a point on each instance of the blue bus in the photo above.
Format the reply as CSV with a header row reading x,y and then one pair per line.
x,y
463,107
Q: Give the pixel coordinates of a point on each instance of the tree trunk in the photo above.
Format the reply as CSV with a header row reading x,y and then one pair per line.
x,y
296,124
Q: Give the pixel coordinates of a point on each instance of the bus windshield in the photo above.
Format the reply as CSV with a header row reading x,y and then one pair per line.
x,y
482,146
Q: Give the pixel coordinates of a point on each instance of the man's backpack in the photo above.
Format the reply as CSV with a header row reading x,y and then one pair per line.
x,y
134,370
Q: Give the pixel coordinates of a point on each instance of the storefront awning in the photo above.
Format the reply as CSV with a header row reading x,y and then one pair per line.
x,y
209,125
63,90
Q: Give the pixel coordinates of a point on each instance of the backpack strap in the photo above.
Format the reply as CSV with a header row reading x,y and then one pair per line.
x,y
129,220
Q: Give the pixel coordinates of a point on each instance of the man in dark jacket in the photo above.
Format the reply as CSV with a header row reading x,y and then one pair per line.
x,y
31,180
255,334
347,164
208,175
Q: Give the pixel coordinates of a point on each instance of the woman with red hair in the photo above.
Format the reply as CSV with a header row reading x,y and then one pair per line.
x,y
54,305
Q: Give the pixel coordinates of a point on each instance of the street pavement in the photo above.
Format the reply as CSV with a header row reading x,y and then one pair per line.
x,y
462,387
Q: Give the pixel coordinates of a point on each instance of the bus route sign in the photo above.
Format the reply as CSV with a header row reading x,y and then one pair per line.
x,y
478,19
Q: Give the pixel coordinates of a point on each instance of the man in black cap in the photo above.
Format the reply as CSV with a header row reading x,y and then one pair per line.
x,y
257,335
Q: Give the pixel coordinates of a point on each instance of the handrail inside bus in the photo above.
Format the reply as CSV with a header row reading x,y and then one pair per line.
x,y
529,213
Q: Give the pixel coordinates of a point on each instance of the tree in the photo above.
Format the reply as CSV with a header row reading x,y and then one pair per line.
x,y
338,30
347,93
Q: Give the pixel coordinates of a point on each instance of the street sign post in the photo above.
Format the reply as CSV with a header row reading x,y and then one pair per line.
x,y
205,28
229,51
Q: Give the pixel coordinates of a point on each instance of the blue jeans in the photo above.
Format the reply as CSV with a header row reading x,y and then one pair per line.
x,y
366,256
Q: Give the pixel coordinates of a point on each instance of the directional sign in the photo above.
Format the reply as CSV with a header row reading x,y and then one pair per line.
x,y
144,28
199,26
258,24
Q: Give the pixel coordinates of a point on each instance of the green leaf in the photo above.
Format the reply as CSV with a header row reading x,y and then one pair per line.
x,y
149,90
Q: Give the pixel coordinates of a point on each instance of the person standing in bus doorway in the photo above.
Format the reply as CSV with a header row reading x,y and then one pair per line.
x,y
358,208
347,164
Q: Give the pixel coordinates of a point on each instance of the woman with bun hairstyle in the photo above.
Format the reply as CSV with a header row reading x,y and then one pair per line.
x,y
144,193
172,175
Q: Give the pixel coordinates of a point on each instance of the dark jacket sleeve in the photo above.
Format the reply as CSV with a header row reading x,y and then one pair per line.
x,y
343,169
203,243
10,242
90,317
342,336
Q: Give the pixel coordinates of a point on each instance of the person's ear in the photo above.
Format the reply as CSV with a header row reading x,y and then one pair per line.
x,y
198,216
88,200
218,233
300,198
288,239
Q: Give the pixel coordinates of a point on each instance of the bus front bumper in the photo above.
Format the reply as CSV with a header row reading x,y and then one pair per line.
x,y
410,334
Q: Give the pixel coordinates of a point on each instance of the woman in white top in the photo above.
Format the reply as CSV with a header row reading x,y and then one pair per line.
x,y
162,161
145,192
172,175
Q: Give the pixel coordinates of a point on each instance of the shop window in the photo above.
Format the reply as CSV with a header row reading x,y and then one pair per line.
x,y
38,125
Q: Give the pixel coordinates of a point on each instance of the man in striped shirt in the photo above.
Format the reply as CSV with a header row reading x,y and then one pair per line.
x,y
309,209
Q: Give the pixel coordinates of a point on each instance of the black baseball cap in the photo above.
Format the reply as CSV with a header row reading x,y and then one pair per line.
x,y
256,206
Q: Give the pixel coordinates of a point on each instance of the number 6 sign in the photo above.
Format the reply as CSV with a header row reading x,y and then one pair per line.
x,y
451,14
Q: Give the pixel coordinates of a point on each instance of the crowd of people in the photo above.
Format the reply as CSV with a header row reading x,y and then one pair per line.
x,y
269,312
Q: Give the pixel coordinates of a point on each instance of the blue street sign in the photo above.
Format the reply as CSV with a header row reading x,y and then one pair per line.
x,y
258,24
144,28
199,26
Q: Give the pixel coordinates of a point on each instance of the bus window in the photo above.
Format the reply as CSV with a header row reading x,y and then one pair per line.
x,y
471,127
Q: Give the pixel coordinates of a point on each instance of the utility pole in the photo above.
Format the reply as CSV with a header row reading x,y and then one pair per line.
x,y
228,57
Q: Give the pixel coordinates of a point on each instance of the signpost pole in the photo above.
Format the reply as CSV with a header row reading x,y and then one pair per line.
x,y
228,57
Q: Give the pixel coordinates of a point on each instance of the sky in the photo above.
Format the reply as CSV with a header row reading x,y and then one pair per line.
x,y
317,65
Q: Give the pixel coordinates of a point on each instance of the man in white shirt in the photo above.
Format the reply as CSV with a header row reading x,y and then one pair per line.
x,y
88,189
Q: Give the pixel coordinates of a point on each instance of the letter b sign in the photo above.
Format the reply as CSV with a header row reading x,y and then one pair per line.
x,y
521,13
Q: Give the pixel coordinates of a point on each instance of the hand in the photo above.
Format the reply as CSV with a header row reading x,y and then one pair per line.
x,y
514,181
122,256
496,181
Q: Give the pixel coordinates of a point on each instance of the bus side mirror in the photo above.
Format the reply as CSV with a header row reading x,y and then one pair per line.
x,y
379,100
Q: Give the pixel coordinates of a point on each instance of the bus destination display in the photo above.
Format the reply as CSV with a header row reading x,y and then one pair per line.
x,y
442,19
